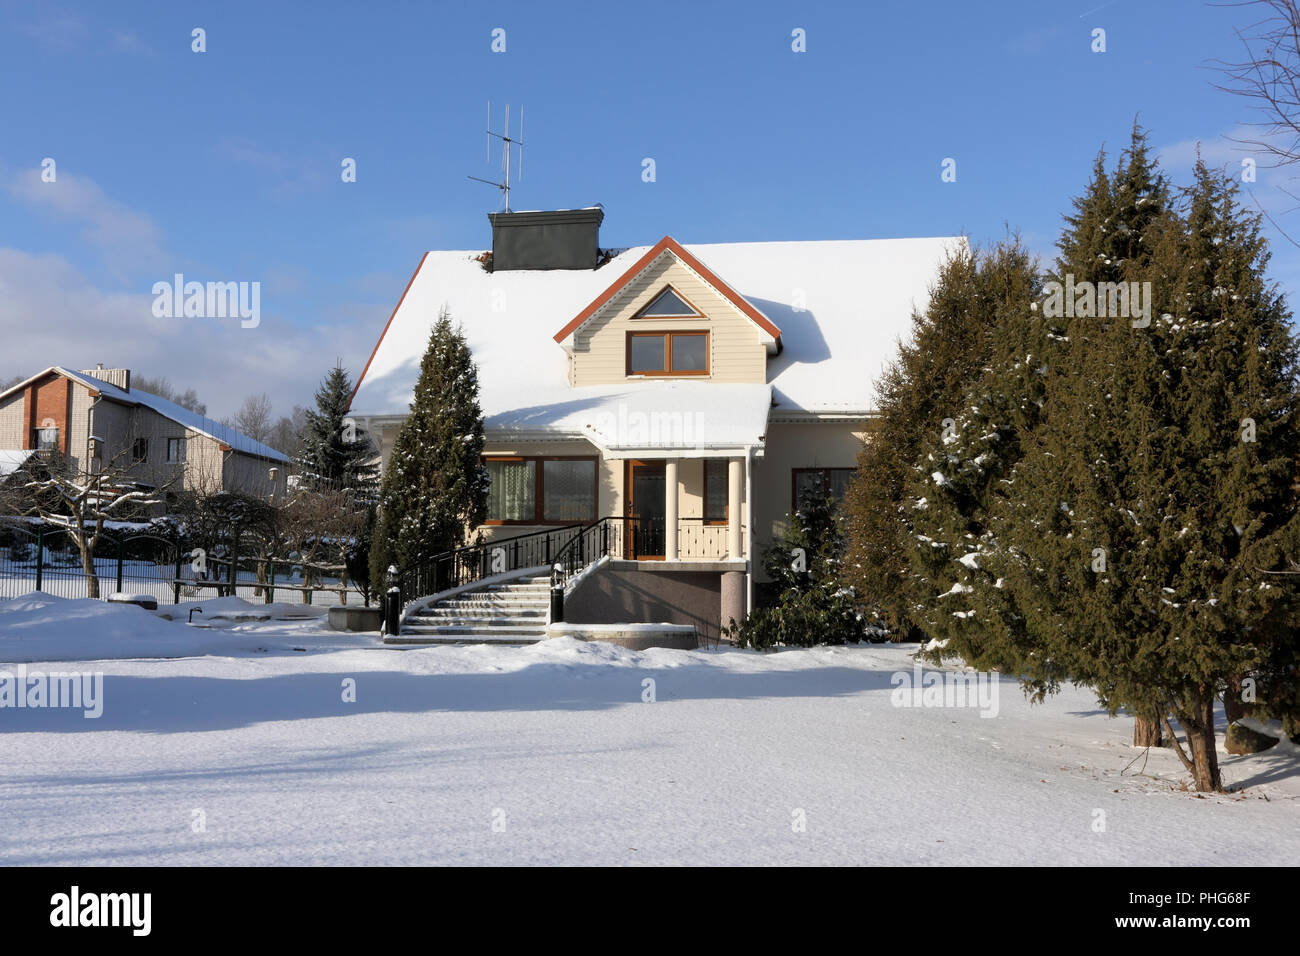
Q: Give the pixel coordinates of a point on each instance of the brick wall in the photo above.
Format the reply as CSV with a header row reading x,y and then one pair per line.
x,y
49,400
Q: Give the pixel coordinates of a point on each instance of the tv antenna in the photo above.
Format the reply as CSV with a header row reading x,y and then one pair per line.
x,y
508,143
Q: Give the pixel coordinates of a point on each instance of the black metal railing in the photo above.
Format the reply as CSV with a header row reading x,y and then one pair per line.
x,y
565,550
474,562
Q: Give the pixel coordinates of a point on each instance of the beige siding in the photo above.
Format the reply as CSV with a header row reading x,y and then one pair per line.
x,y
250,475
204,463
737,353
790,446
12,421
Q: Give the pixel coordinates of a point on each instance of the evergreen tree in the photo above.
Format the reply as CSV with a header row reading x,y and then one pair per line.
x,y
1137,529
435,485
948,346
813,606
335,454
962,466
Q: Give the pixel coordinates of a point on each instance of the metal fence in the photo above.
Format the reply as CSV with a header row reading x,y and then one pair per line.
x,y
49,561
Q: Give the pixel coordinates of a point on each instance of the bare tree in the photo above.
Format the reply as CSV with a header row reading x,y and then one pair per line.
x,y
1269,79
163,388
81,501
254,417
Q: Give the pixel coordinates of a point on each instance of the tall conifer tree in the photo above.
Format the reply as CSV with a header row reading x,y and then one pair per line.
x,y
435,485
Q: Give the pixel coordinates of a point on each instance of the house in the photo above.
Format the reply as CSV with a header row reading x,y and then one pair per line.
x,y
688,394
97,422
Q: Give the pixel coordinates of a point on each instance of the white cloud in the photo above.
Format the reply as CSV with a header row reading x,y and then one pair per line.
x,y
125,239
53,314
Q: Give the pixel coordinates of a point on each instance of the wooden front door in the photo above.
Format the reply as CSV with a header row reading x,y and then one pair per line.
x,y
644,527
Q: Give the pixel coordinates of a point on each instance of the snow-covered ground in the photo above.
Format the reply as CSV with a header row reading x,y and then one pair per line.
x,y
246,752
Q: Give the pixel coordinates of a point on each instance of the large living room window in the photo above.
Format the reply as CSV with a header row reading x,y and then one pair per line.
x,y
819,482
541,490
668,353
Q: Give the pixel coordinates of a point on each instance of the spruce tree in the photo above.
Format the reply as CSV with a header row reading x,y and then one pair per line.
x,y
435,485
335,453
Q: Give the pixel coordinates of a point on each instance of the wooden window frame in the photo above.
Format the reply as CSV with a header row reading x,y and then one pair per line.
x,y
183,445
668,335
726,477
539,500
824,471
640,313
140,451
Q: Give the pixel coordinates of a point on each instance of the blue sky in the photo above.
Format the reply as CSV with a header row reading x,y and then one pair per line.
x,y
225,165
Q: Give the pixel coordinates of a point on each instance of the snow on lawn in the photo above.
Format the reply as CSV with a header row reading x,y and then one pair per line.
x,y
554,745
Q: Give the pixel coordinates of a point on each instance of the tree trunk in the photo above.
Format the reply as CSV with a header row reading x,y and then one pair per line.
x,y
88,568
1146,732
1199,726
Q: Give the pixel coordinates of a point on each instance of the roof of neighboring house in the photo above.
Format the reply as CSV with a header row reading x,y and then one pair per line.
x,y
182,416
11,459
839,307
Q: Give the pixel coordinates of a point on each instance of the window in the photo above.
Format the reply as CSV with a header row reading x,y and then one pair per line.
x,y
541,490
668,353
715,491
140,451
511,496
47,439
669,304
175,451
819,482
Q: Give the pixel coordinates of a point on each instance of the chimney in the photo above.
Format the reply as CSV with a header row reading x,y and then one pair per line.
x,y
558,239
121,377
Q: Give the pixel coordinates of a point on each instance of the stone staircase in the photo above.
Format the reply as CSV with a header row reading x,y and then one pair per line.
x,y
510,612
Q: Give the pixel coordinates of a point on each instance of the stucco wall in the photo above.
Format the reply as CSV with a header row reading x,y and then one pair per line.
x,y
790,446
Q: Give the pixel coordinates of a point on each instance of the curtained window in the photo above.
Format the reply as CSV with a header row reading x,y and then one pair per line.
x,y
512,494
541,490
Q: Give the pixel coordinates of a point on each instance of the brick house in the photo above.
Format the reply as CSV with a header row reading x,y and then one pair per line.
x,y
95,420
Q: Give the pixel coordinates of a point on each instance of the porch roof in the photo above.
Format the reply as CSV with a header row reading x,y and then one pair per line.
x,y
645,419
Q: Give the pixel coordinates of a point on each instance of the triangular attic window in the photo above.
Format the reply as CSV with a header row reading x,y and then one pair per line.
x,y
668,303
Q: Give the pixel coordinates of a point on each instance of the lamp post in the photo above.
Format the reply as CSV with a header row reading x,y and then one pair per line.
x,y
393,598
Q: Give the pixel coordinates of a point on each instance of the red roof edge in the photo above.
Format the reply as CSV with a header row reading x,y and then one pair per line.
x,y
672,245
375,351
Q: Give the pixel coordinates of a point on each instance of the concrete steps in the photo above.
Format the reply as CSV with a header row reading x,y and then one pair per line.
x,y
511,612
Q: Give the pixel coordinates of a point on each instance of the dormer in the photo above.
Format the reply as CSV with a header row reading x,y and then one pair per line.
x,y
667,317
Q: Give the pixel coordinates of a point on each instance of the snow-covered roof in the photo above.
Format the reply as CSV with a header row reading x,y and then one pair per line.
x,y
645,417
11,459
841,307
182,416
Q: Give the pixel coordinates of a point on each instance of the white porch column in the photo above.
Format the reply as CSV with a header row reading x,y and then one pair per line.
x,y
735,482
670,509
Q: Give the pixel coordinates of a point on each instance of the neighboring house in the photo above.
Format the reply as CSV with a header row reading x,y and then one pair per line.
x,y
99,424
694,391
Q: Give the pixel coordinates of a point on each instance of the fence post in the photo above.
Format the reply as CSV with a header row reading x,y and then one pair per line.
x,y
121,547
270,587
40,556
176,582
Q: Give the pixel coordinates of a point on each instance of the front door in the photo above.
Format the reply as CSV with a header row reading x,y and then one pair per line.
x,y
646,484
